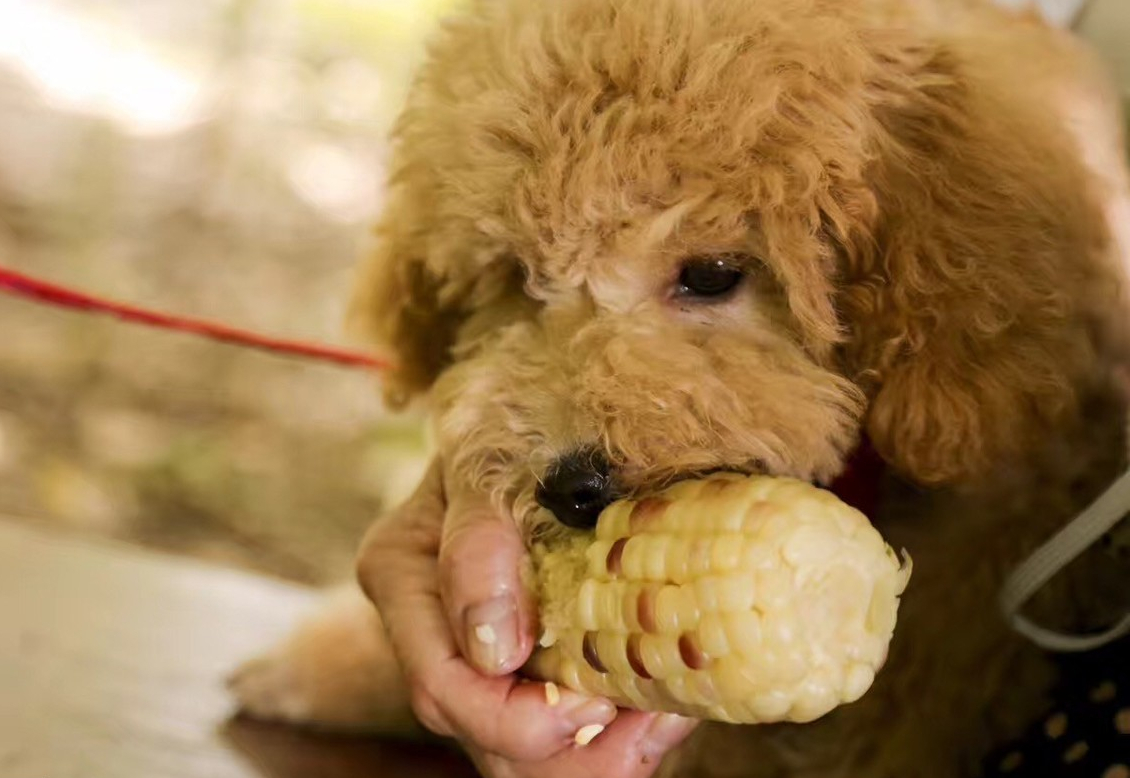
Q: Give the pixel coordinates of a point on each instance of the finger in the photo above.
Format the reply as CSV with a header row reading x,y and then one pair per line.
x,y
510,718
399,570
632,747
407,536
665,733
501,715
481,556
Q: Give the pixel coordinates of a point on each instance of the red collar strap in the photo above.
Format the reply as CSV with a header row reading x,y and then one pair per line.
x,y
858,484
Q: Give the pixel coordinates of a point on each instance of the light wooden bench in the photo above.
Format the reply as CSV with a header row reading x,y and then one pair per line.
x,y
112,662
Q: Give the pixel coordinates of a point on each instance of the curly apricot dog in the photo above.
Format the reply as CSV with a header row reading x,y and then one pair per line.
x,y
632,240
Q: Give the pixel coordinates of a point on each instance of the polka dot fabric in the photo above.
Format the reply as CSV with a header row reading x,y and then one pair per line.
x,y
1086,734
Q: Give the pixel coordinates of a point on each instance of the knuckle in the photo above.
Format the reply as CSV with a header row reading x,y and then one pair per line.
x,y
519,740
468,544
456,541
427,710
388,543
438,709
369,565
527,751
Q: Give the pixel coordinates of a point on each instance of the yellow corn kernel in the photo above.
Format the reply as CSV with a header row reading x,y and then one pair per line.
x,y
602,556
586,605
633,560
655,561
660,656
726,553
678,553
743,629
675,609
712,635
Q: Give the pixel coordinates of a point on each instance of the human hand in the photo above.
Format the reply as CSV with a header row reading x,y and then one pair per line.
x,y
443,570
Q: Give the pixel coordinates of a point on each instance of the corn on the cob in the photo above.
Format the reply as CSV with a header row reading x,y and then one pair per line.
x,y
733,598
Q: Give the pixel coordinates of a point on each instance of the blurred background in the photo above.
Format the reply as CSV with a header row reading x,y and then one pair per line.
x,y
222,159
215,158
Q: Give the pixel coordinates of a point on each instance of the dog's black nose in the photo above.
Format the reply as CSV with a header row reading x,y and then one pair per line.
x,y
577,487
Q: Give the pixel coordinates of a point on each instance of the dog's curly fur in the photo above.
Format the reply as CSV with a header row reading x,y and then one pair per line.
x,y
921,194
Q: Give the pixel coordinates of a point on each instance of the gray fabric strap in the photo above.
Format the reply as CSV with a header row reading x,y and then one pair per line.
x,y
1027,579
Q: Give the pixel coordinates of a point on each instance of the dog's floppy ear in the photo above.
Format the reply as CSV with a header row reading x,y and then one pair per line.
x,y
406,306
972,290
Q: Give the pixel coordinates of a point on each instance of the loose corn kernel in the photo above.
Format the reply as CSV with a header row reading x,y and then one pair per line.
x,y
552,695
586,735
745,599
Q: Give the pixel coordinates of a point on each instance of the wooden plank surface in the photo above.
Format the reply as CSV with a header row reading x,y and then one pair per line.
x,y
112,663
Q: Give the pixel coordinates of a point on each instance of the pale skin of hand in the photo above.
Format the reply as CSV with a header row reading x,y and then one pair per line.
x,y
443,570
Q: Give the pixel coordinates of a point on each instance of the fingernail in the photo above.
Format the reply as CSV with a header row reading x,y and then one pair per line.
x,y
664,733
579,712
492,633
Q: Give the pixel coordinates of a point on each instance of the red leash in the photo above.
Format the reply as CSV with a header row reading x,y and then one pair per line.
x,y
30,288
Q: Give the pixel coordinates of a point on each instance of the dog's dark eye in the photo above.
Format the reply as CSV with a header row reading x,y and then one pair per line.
x,y
709,277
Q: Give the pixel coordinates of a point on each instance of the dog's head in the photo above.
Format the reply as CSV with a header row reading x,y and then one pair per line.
x,y
630,241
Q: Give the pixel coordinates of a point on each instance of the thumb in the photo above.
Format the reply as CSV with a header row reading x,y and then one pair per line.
x,y
480,561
